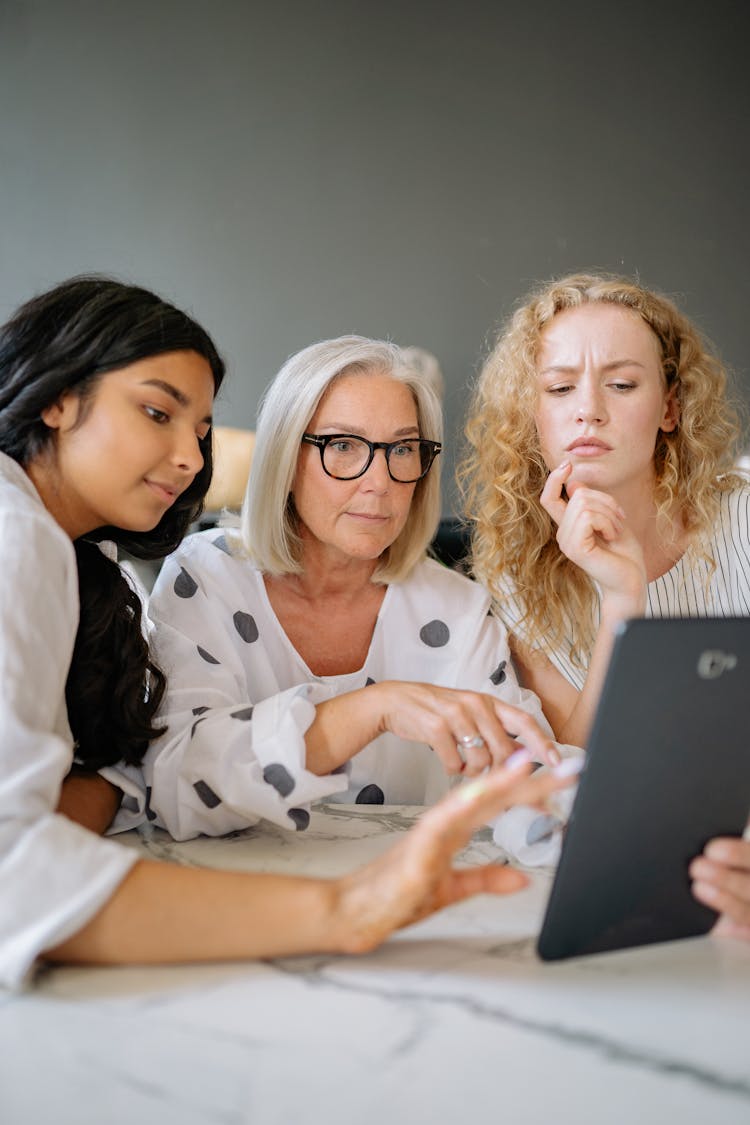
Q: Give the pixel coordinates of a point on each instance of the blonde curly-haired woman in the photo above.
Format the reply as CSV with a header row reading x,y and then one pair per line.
x,y
600,483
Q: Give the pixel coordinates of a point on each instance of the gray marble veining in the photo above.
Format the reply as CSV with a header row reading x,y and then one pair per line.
x,y
453,1020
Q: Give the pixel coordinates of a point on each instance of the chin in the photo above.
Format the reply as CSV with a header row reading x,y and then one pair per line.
x,y
144,524
588,477
367,552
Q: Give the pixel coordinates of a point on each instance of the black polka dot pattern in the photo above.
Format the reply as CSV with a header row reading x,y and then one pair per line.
x,y
369,681
184,584
301,818
498,676
200,710
209,659
196,724
370,795
245,626
221,542
150,814
435,634
206,794
244,713
279,776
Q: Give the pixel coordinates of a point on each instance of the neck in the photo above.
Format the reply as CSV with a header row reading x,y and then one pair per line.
x,y
324,576
63,510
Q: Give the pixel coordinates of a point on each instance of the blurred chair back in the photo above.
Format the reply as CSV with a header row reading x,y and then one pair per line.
x,y
233,454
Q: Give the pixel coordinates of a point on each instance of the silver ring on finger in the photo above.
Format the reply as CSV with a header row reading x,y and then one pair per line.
x,y
470,742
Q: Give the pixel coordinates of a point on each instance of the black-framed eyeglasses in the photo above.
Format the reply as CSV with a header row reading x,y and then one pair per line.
x,y
346,456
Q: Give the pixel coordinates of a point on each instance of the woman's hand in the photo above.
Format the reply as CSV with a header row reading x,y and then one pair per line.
x,y
416,877
158,913
721,880
468,730
593,533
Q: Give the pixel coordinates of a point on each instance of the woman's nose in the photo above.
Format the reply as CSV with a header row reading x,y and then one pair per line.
x,y
590,407
377,475
188,454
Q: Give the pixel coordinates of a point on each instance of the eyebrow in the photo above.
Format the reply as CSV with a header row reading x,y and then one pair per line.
x,y
173,392
341,428
566,369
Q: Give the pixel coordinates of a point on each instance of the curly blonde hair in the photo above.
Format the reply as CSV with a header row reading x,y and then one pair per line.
x,y
503,471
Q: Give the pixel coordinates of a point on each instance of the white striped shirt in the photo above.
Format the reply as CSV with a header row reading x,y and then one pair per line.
x,y
691,588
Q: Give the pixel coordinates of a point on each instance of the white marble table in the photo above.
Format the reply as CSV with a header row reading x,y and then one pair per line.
x,y
454,1020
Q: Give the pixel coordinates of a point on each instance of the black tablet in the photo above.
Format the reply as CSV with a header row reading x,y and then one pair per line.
x,y
667,769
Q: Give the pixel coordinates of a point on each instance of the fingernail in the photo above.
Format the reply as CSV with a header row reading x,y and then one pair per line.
x,y
543,828
564,465
569,767
554,757
517,759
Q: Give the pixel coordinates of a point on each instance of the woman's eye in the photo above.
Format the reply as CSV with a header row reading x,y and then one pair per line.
x,y
341,446
403,450
623,386
156,415
562,389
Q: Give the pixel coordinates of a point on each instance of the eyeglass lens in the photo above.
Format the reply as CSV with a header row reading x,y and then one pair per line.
x,y
347,457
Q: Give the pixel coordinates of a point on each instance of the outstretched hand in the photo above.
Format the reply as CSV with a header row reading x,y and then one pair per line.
x,y
593,532
416,877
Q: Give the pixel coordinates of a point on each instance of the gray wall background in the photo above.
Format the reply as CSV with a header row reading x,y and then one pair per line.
x,y
296,170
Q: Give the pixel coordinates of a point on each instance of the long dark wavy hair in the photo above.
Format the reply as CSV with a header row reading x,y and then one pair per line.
x,y
65,340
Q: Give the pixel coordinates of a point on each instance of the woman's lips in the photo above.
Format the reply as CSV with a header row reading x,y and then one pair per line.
x,y
588,447
165,492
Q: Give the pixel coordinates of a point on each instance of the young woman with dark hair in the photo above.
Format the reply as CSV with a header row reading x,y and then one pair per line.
x,y
61,344
106,394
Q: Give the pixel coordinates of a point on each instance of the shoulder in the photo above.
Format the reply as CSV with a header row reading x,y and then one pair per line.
x,y
733,520
207,559
38,565
208,547
736,500
29,533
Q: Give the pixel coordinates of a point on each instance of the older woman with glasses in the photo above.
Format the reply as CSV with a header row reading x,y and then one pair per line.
x,y
315,651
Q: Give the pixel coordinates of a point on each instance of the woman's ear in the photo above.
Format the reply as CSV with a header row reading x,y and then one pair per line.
x,y
61,414
671,417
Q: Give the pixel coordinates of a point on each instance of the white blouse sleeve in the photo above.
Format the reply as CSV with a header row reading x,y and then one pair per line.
x,y
54,875
229,756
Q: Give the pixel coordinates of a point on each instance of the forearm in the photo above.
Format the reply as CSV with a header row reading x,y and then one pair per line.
x,y
537,673
90,800
577,728
342,727
166,913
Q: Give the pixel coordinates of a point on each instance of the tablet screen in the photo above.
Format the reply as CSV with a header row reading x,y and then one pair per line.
x,y
667,769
